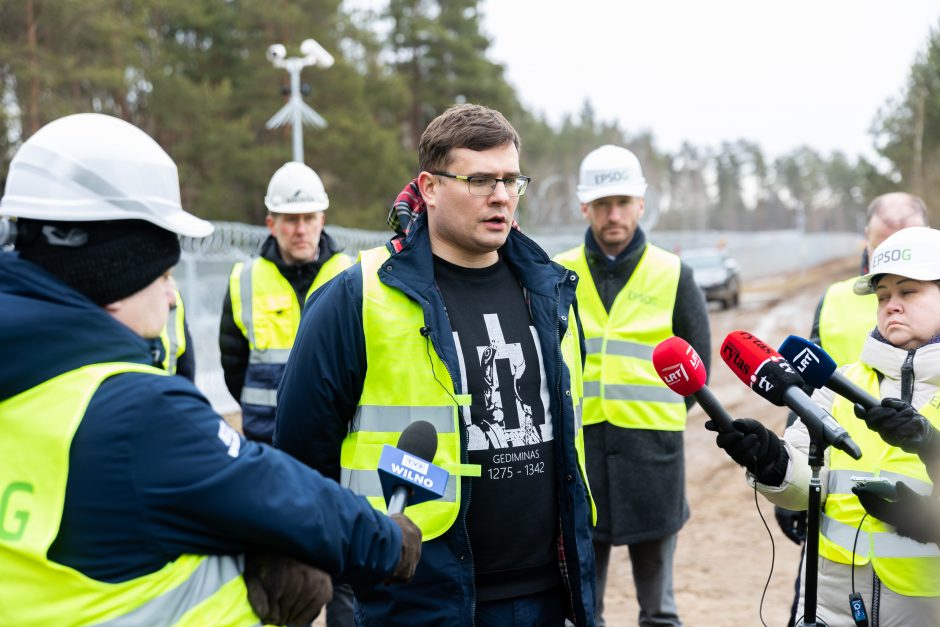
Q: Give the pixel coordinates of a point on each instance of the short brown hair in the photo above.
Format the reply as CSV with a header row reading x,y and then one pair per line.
x,y
463,126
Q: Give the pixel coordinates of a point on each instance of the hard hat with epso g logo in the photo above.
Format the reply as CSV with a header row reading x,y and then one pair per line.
x,y
610,171
913,252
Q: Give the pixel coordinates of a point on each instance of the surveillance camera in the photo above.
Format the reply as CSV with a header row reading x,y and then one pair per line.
x,y
315,52
276,52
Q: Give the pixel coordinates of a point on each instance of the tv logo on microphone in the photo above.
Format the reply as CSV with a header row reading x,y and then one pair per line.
x,y
674,374
416,464
804,359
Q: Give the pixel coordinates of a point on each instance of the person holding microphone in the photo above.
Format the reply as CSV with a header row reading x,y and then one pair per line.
x,y
124,497
898,578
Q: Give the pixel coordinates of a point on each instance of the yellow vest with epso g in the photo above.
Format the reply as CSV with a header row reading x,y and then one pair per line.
x,y
845,320
620,384
265,309
38,426
173,336
905,566
391,325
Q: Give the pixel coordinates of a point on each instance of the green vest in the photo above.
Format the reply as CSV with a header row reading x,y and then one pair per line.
x,y
620,384
391,324
266,311
905,566
845,320
173,336
38,426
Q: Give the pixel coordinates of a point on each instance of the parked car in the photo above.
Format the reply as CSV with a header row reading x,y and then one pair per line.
x,y
716,274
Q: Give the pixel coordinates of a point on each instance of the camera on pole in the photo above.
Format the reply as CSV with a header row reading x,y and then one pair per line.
x,y
296,112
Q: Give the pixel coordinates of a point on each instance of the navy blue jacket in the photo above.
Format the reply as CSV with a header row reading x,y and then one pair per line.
x,y
326,371
150,478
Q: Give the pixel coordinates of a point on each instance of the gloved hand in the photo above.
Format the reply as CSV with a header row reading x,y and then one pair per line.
x,y
913,515
899,425
284,590
756,448
793,524
410,549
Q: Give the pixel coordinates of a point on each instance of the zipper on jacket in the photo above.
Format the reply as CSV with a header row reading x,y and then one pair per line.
x,y
567,498
907,377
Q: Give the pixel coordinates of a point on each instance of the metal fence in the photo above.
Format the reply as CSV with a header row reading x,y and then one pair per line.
x,y
205,266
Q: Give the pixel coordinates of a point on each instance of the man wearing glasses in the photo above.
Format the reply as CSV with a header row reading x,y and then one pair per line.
x,y
468,325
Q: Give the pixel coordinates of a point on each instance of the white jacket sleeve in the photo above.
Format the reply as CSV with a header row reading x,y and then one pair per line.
x,y
793,493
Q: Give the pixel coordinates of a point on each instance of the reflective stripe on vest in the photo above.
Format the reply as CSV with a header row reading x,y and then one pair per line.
x,y
620,384
173,336
192,590
905,566
266,311
845,320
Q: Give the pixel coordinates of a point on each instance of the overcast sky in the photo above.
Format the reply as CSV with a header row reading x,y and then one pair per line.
x,y
782,74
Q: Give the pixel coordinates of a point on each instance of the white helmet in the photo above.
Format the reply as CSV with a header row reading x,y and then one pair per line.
x,y
296,188
913,252
610,171
89,167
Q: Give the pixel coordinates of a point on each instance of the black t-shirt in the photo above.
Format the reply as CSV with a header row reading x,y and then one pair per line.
x,y
513,514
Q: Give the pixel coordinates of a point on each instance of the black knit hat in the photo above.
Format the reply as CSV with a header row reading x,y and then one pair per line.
x,y
105,261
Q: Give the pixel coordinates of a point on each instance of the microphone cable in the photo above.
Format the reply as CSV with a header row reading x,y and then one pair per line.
x,y
425,332
856,602
773,557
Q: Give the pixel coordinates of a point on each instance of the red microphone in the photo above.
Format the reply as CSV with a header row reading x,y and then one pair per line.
x,y
762,369
680,367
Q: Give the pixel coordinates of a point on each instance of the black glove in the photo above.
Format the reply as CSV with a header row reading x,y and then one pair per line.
x,y
913,515
793,524
899,425
284,590
410,549
756,448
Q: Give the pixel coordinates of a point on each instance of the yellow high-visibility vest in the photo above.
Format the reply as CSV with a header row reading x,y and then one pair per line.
x,y
845,320
905,566
391,324
620,384
38,426
265,309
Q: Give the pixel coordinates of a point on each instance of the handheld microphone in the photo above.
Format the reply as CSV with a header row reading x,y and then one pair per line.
x,y
680,367
818,369
762,369
407,475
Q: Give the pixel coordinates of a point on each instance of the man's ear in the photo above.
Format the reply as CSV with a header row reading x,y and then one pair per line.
x,y
428,185
585,209
269,222
642,207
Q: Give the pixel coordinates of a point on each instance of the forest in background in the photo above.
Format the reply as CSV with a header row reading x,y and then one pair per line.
x,y
193,74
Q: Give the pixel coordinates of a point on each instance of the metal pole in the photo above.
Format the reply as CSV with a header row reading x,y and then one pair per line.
x,y
297,122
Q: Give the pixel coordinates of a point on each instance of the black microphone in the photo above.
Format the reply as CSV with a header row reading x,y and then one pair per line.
x,y
763,369
818,369
408,477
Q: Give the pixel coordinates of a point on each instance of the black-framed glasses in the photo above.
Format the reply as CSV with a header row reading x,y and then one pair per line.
x,y
486,185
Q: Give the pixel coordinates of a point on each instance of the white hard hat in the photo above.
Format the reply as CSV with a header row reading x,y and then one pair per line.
x,y
913,252
610,171
296,188
91,167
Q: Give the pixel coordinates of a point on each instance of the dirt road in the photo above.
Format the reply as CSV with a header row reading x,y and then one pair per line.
x,y
724,552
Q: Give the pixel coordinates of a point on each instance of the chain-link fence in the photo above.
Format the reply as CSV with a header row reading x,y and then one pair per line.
x,y
206,263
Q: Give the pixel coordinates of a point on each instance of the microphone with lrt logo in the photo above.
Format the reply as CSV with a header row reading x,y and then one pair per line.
x,y
680,367
408,477
818,369
762,369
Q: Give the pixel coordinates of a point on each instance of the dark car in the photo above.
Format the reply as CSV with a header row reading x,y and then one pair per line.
x,y
716,274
